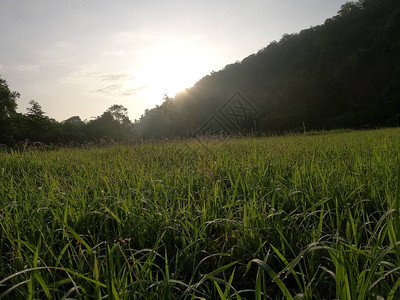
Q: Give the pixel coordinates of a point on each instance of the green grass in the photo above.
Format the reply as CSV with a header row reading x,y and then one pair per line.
x,y
298,217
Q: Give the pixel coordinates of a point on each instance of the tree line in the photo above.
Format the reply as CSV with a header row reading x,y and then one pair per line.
x,y
36,126
343,73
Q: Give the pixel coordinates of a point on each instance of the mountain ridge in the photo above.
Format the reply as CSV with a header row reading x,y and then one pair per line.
x,y
343,73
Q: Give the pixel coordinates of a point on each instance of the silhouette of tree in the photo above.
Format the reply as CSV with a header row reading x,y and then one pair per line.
x,y
8,106
74,130
35,109
119,114
113,124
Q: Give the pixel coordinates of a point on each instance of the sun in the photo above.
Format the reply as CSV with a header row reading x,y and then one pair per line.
x,y
174,67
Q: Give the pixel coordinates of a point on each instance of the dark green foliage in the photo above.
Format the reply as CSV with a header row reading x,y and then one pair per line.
x,y
8,106
113,124
344,73
36,127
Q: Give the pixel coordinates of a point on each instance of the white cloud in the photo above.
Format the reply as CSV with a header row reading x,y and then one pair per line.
x,y
114,77
60,52
63,45
128,37
108,90
27,68
83,75
117,90
97,82
143,35
117,53
130,92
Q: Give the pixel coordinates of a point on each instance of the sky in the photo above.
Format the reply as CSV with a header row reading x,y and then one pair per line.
x,y
77,58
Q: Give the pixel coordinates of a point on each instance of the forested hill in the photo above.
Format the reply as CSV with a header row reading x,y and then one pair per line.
x,y
344,73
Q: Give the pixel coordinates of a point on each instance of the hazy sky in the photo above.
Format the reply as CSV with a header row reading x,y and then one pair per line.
x,y
80,57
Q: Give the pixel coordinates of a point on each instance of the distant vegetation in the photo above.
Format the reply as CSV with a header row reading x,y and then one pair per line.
x,y
35,126
305,216
300,217
344,73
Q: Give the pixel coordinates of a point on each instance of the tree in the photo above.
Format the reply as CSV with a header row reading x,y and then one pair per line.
x,y
74,121
339,74
74,130
349,7
119,114
8,103
39,128
113,124
35,109
8,106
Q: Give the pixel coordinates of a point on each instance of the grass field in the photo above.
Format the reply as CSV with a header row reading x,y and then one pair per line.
x,y
296,217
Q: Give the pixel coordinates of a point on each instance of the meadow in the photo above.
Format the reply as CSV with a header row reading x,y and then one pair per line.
x,y
294,217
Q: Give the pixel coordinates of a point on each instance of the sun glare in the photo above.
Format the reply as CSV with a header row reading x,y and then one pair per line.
x,y
173,68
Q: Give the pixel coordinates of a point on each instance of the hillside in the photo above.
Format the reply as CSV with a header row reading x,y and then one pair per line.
x,y
344,73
